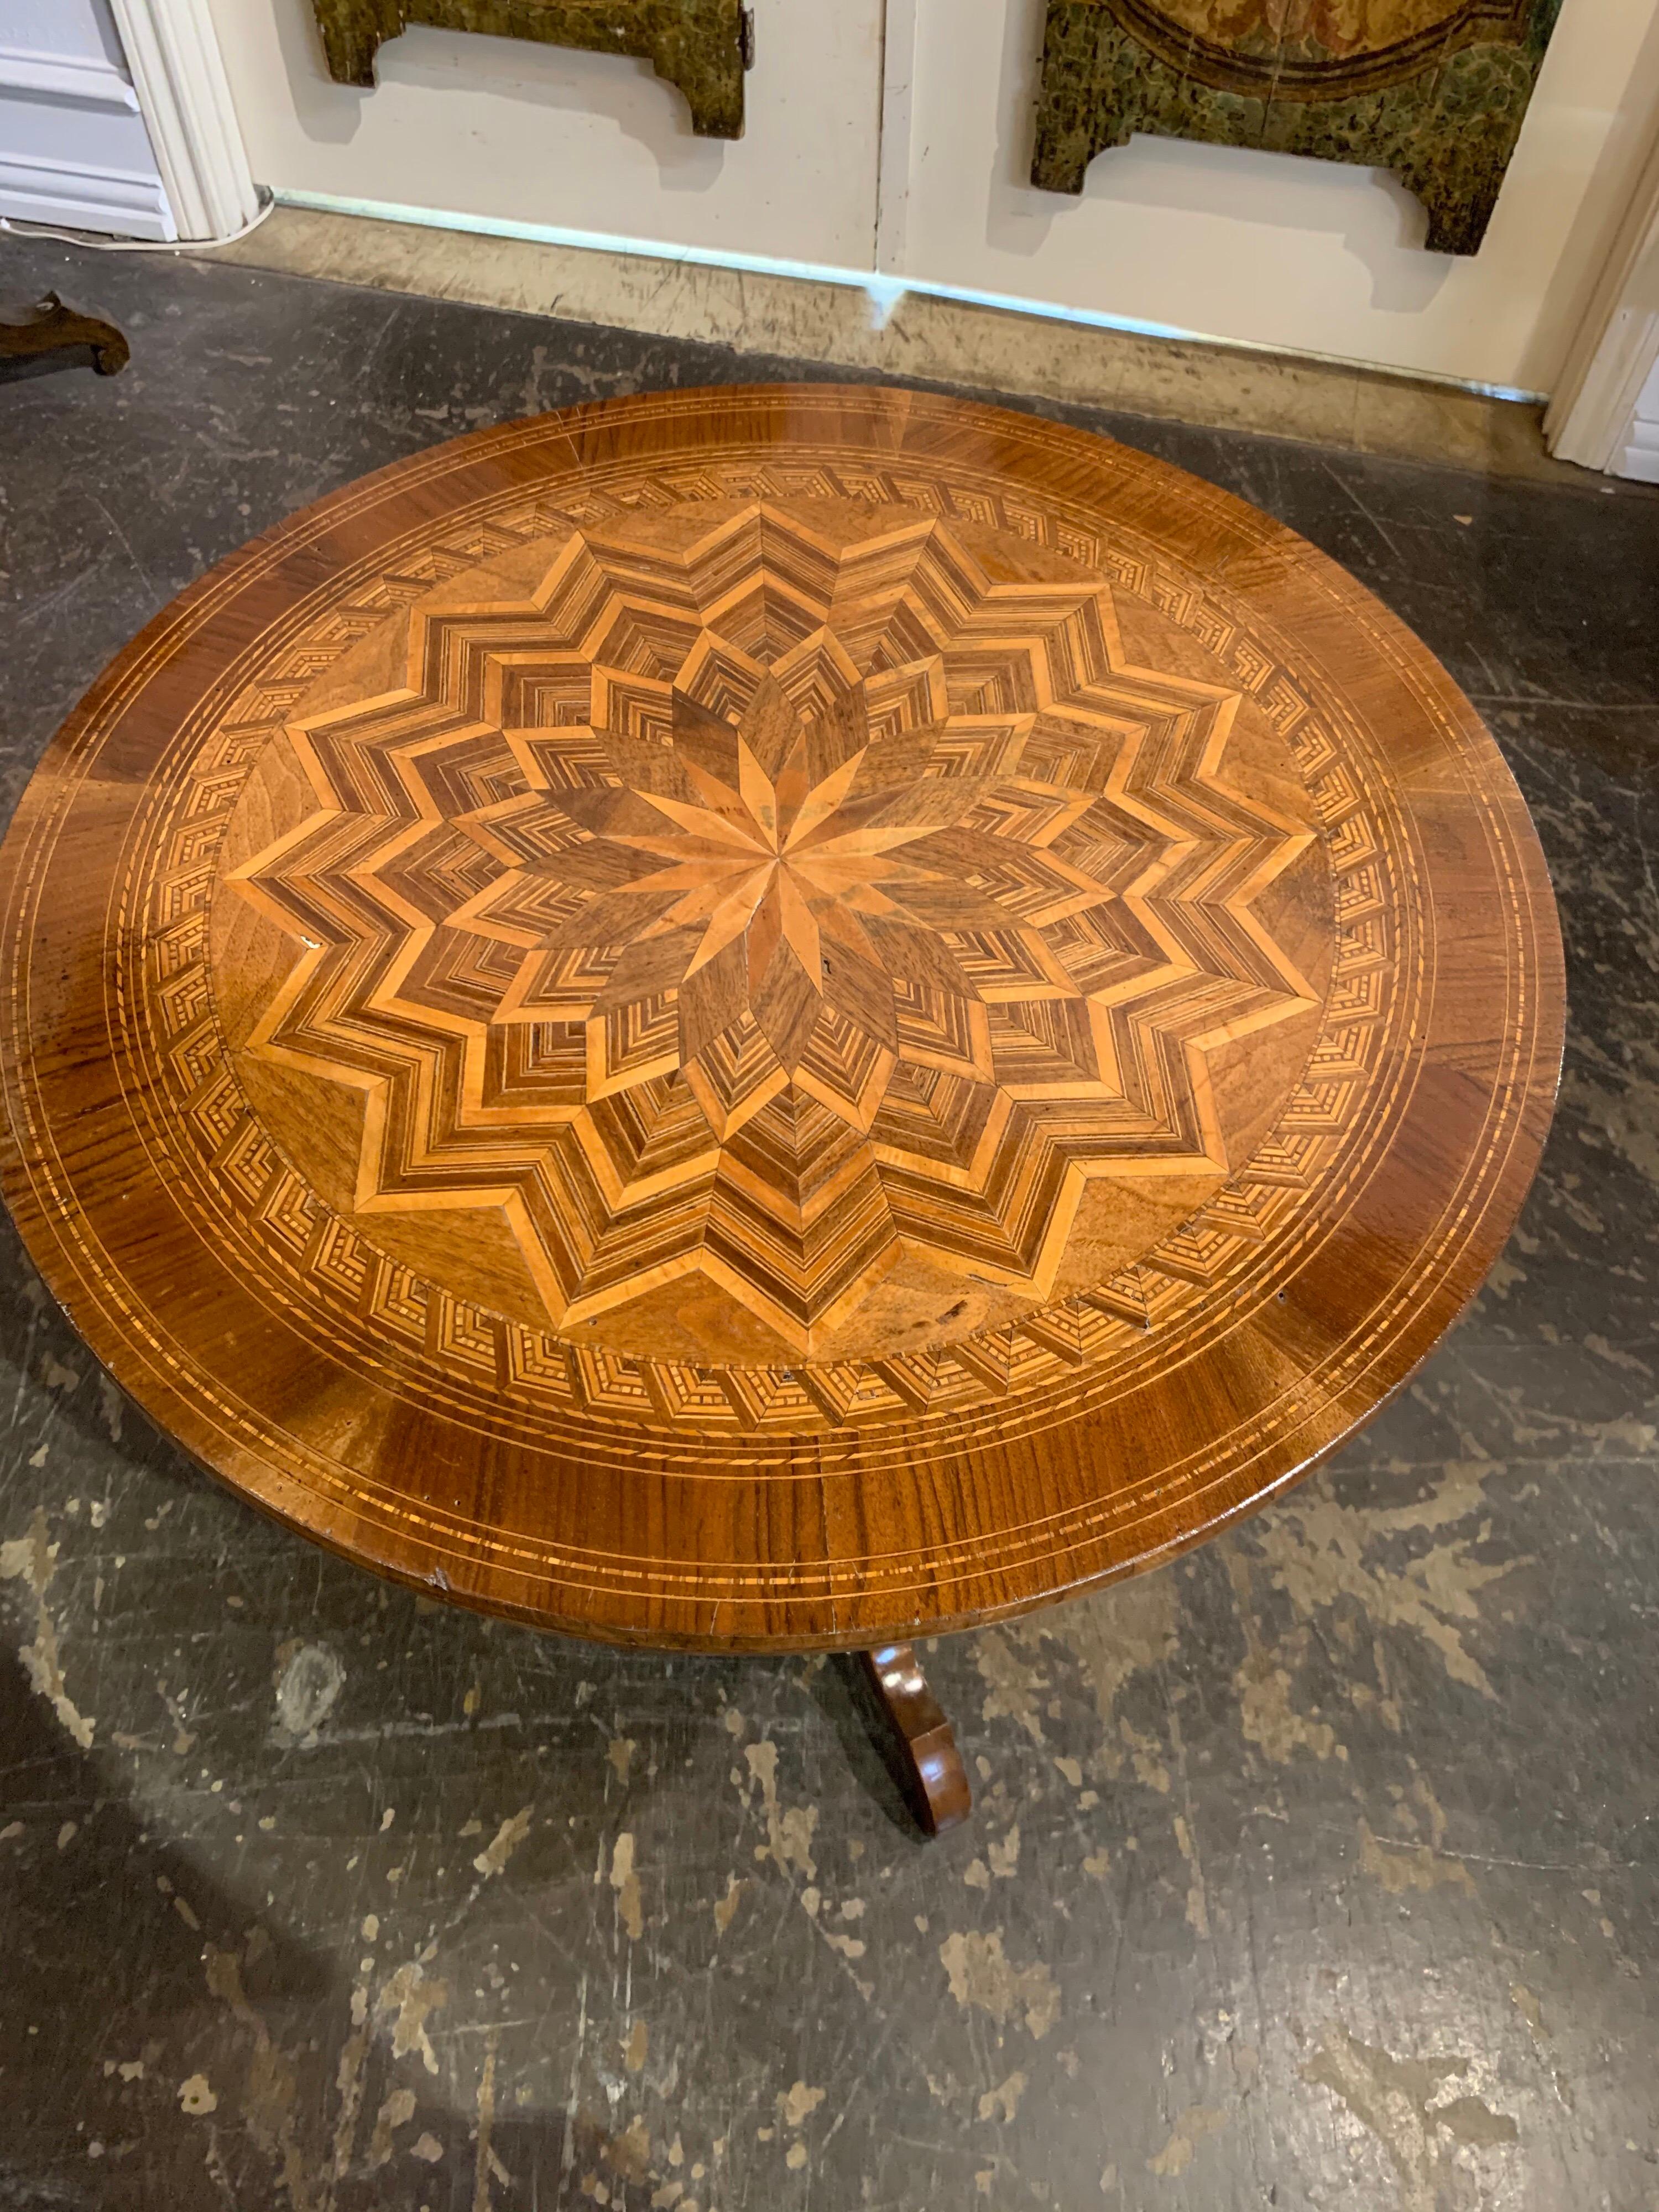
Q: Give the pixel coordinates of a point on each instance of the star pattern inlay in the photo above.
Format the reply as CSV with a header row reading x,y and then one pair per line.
x,y
777,902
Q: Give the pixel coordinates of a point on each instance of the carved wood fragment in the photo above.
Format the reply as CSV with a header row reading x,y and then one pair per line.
x,y
701,46
1434,90
50,336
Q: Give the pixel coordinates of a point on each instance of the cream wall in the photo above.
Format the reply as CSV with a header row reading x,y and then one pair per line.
x,y
1311,257
511,129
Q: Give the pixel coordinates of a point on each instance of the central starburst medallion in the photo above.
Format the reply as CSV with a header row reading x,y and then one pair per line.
x,y
784,875
777,911
777,849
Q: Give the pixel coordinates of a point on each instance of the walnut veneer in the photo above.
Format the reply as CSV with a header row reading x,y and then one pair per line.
x,y
771,1018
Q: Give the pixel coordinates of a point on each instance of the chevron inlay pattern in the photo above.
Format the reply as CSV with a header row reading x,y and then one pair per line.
x,y
771,1018
800,900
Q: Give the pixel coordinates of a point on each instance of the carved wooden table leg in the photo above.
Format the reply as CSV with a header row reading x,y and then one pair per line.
x,y
31,338
939,1791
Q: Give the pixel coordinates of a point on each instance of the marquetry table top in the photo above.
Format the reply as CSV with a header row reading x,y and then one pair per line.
x,y
771,1018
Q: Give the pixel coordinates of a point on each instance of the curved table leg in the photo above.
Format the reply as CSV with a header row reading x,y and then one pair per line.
x,y
932,1764
29,339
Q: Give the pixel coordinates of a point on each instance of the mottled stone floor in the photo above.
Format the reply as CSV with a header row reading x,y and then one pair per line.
x,y
1318,1869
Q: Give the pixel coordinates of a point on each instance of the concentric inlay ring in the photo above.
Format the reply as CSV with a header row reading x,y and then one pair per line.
x,y
762,1017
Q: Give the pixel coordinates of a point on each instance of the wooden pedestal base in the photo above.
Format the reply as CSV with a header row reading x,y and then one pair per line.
x,y
929,1761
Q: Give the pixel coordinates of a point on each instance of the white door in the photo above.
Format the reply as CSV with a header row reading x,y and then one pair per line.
x,y
73,145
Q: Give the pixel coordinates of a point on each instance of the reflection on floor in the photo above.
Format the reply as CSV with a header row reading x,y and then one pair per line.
x,y
1322,1863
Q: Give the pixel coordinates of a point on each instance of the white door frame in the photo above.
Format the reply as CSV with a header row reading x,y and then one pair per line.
x,y
1590,417
896,160
179,77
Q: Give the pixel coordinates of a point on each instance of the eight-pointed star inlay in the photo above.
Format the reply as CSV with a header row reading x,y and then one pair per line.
x,y
777,899
780,847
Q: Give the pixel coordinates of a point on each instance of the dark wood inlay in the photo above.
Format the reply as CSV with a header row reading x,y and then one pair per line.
x,y
771,1018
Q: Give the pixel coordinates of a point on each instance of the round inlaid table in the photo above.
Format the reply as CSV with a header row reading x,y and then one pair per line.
x,y
771,1018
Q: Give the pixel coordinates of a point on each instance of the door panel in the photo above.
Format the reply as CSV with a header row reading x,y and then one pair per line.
x,y
73,146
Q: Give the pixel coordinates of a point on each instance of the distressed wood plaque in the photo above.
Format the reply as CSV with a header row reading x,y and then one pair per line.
x,y
1434,90
771,1018
698,45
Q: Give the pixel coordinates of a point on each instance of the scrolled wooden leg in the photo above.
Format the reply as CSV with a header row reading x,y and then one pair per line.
x,y
939,1791
30,339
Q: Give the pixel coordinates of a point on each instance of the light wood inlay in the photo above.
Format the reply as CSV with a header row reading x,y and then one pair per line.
x,y
771,1018
805,911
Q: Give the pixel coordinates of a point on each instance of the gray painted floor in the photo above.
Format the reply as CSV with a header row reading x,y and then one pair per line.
x,y
1317,1869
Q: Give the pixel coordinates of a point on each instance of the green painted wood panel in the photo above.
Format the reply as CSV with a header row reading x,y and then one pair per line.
x,y
696,45
1434,90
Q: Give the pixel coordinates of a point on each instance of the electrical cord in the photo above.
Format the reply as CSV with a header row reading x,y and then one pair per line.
x,y
31,230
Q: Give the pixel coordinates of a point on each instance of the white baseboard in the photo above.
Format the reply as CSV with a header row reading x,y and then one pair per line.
x,y
1640,457
84,198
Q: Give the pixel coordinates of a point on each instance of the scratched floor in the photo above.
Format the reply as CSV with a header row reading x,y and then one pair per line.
x,y
1318,1870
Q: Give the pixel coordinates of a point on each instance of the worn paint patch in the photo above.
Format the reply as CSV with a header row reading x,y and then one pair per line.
x,y
629,2153
789,1829
1198,1900
1114,1634
197,2096
397,2111
1264,1683
486,2166
1399,2101
309,1679
983,1978
1003,1857
1002,2103
1321,1553
1188,2131
626,1883
32,1561
507,1840
797,2104
1269,1719
1400,1867
271,2088
413,1999
1144,1756
1015,1689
